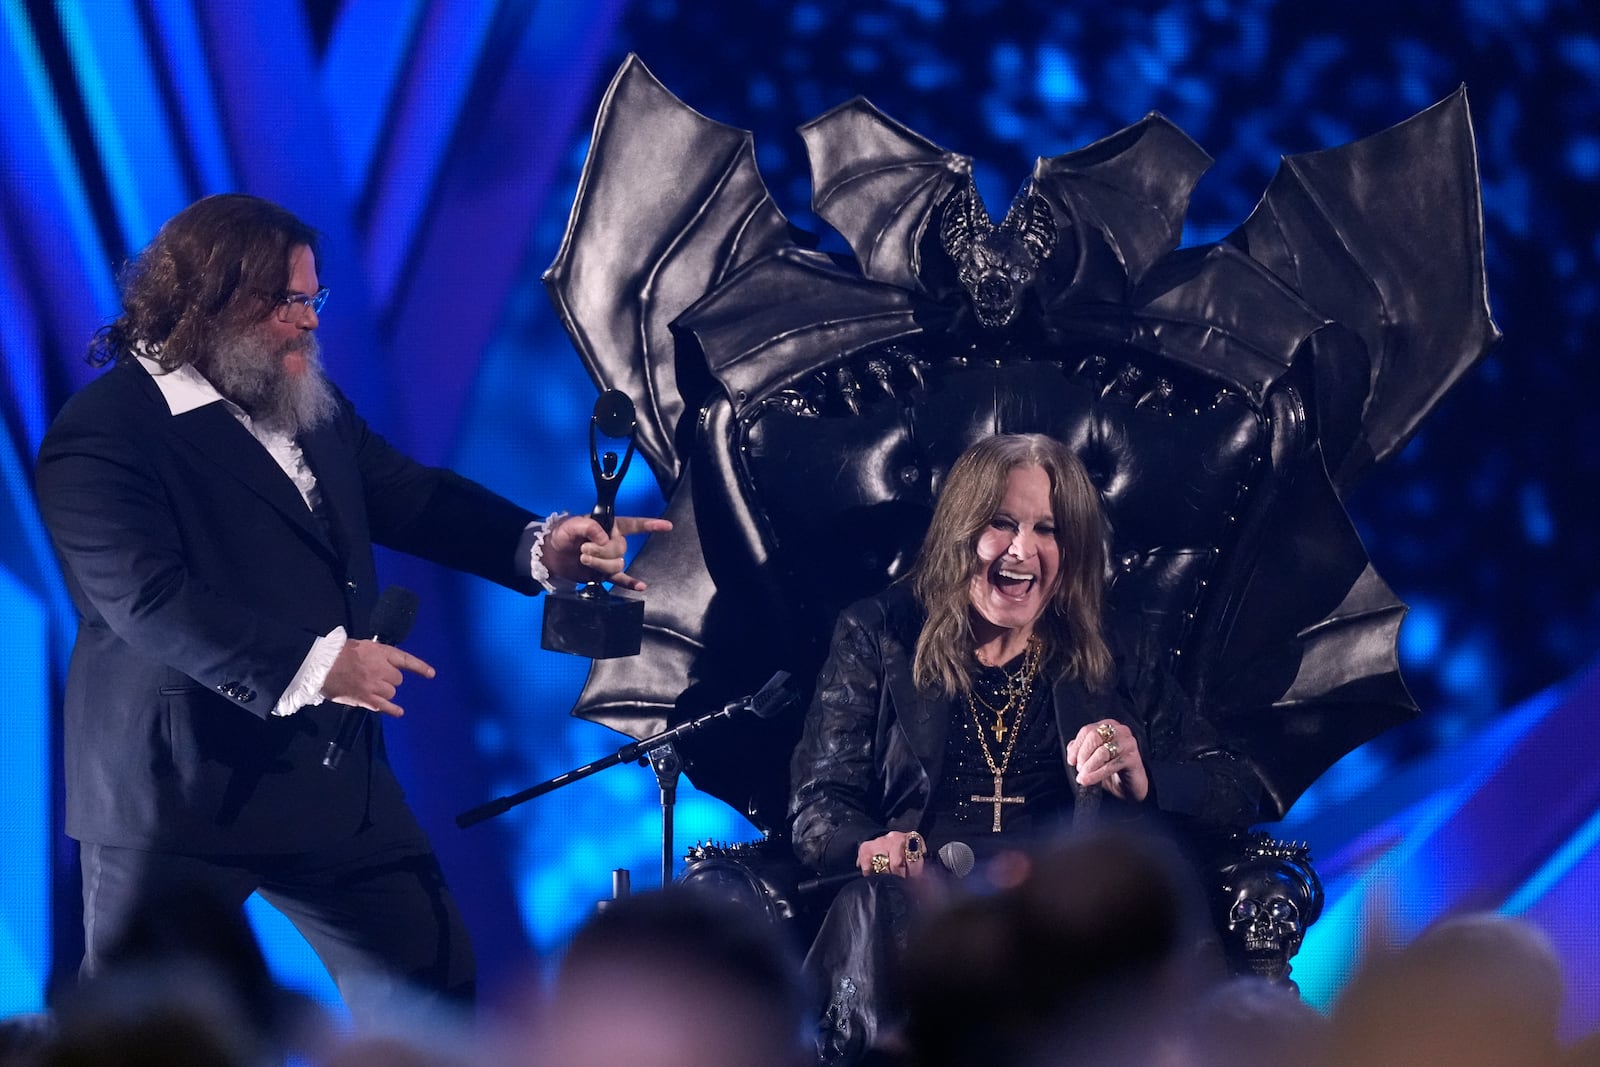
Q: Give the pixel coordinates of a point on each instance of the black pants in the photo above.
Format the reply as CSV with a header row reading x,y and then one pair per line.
x,y
850,971
374,908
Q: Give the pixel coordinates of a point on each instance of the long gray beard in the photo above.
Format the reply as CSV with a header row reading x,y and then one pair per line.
x,y
249,371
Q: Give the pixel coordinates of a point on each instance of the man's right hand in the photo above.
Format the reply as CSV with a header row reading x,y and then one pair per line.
x,y
892,845
366,674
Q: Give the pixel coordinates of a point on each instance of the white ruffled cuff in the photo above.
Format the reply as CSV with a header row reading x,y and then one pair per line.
x,y
305,688
533,539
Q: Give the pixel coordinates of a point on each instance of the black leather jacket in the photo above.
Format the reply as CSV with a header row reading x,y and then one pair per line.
x,y
873,743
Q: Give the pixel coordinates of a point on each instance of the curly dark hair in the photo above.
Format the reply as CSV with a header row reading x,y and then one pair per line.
x,y
221,263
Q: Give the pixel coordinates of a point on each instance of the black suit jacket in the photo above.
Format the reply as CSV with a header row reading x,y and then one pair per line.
x,y
873,744
201,580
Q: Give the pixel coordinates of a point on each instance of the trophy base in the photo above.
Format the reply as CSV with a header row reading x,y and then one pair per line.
x,y
596,625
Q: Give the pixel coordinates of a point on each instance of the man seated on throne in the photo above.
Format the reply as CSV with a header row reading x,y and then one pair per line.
x,y
979,701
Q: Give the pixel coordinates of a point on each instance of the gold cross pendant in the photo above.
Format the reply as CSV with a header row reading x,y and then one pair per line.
x,y
997,799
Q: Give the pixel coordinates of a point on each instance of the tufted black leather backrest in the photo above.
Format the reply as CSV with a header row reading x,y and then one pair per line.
x,y
820,494
845,487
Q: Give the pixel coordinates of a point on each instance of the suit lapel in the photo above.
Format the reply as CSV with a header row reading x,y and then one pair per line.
x,y
338,481
218,436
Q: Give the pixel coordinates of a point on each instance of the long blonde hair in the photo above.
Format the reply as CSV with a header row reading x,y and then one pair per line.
x,y
1070,628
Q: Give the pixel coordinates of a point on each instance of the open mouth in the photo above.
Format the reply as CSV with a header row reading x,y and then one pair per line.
x,y
1012,583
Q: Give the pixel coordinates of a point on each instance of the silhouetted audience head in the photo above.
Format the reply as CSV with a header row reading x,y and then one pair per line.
x,y
673,978
1089,958
24,1038
454,1047
185,982
1476,990
1252,1022
1585,1052
168,1014
1086,957
195,927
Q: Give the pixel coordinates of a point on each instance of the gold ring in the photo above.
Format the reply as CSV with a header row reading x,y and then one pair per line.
x,y
880,863
1111,749
916,847
1107,732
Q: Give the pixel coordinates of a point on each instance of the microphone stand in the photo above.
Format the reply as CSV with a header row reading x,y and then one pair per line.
x,y
664,759
657,750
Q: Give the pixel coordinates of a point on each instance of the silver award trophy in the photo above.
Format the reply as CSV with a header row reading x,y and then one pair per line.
x,y
592,621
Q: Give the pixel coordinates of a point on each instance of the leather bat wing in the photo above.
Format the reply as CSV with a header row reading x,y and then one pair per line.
x,y
1306,667
1347,305
879,185
1385,235
670,203
790,314
677,281
1128,192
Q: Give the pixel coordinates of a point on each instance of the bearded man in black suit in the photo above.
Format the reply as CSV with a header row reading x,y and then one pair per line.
x,y
214,501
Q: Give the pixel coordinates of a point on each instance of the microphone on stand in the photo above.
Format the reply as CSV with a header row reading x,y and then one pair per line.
x,y
765,703
392,619
954,856
771,700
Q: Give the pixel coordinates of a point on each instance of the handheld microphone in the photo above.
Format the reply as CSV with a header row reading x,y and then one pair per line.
x,y
392,618
957,858
954,856
1085,801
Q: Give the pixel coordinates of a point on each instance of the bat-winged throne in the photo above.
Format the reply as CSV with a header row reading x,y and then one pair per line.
x,y
800,409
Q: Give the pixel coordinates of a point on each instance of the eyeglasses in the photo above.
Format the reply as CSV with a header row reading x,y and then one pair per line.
x,y
290,305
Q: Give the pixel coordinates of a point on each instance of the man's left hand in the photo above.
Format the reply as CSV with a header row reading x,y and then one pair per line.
x,y
1107,754
579,550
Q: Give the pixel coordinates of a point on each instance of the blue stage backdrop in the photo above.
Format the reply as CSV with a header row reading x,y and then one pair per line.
x,y
436,144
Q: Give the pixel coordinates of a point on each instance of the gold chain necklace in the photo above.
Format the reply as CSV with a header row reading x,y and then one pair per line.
x,y
1017,691
998,770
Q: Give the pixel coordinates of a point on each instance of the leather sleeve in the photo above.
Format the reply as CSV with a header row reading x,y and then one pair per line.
x,y
1192,774
834,772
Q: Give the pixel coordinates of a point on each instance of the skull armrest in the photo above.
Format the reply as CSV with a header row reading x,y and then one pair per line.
x,y
1264,895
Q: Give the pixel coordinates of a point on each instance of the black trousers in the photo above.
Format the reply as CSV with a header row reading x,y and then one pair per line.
x,y
850,971
374,908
